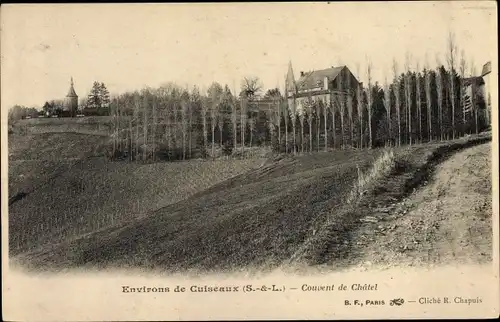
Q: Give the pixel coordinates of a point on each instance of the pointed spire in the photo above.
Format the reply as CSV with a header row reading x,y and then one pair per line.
x,y
71,92
290,79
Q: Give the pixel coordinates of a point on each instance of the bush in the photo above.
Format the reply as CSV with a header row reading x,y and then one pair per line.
x,y
382,167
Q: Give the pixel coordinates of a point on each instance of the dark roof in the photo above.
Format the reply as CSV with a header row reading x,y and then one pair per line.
x,y
477,80
312,79
486,69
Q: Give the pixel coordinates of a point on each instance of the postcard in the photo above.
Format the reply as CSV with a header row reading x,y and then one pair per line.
x,y
249,161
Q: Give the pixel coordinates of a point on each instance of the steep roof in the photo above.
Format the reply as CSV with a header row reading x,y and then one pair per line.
x,y
312,79
290,79
71,92
486,69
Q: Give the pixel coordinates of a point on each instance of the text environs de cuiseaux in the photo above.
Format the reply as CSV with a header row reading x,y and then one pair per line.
x,y
235,288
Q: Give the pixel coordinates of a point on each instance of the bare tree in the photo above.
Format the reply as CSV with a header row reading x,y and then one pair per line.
x,y
204,113
473,96
325,120
251,86
214,95
361,108
275,96
251,125
369,100
439,88
407,87
277,102
221,116
234,117
145,125
286,113
137,116
397,97
293,115
428,98
195,104
154,128
301,119
387,105
350,109
318,122
243,116
184,120
333,105
419,101
114,105
452,49
462,68
341,104
310,111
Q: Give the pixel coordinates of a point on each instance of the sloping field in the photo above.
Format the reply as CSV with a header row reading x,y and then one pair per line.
x,y
256,219
34,159
63,198
289,211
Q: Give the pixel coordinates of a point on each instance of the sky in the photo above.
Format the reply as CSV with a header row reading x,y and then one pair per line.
x,y
130,46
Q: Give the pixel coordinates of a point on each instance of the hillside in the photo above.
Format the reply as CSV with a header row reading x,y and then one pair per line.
x,y
289,211
60,187
451,217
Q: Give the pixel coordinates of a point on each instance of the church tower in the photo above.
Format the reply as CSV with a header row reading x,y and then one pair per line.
x,y
290,89
71,102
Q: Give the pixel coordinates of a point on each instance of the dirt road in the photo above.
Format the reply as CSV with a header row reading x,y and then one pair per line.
x,y
448,221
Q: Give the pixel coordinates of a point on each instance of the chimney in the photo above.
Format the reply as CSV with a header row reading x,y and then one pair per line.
x,y
301,74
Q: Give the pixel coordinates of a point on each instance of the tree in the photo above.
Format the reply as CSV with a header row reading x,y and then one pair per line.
x,y
387,105
214,95
137,119
251,86
462,68
428,97
234,118
185,110
301,119
243,119
341,105
310,111
196,107
419,101
104,94
98,98
452,49
350,109
204,113
48,108
369,101
397,98
325,120
251,125
439,88
407,91
361,108
145,124
275,96
318,122
94,97
473,96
